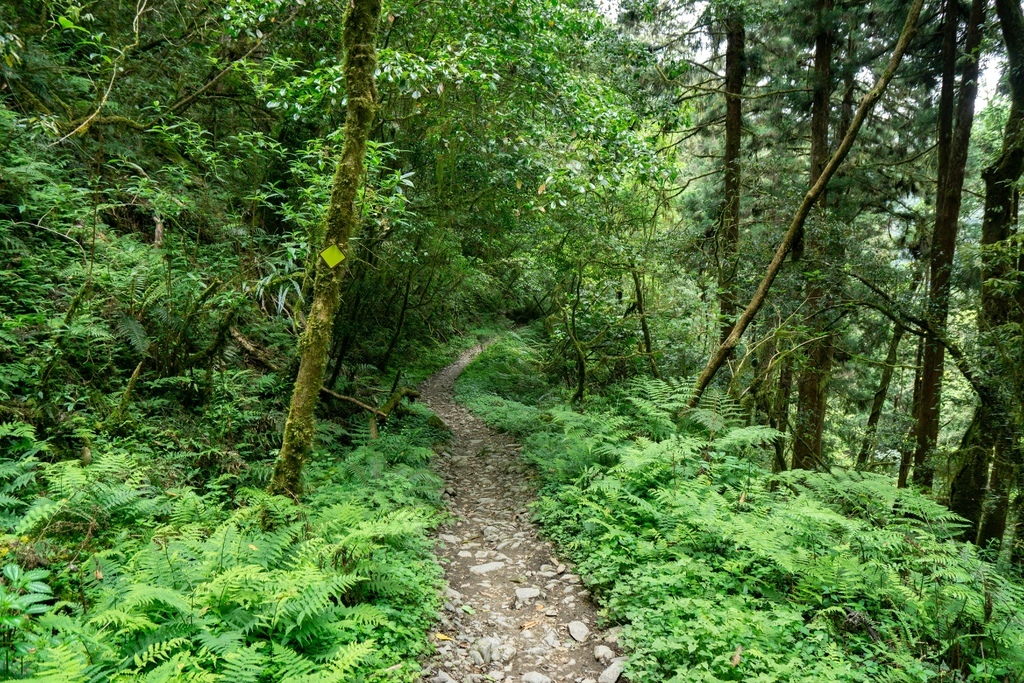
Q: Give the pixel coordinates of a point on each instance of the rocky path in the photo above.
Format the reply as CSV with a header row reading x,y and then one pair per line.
x,y
513,612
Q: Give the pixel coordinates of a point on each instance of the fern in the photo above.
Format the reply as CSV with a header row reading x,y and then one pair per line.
x,y
673,517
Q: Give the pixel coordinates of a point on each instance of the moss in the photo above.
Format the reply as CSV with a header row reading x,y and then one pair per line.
x,y
342,223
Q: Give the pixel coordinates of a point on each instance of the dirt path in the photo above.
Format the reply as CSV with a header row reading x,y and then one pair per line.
x,y
513,612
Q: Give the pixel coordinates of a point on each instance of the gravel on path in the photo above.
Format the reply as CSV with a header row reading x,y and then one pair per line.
x,y
513,611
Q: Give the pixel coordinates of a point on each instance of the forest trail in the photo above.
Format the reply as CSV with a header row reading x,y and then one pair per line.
x,y
512,611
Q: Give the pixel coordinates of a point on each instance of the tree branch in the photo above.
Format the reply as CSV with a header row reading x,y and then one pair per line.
x,y
726,348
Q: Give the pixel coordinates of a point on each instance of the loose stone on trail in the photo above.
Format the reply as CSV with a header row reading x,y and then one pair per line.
x,y
578,630
535,677
612,673
501,627
603,654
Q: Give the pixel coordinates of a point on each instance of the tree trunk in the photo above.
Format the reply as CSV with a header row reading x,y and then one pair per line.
x,y
726,348
1012,533
983,437
907,453
729,236
994,437
342,222
891,356
812,384
579,353
952,165
398,325
779,418
641,311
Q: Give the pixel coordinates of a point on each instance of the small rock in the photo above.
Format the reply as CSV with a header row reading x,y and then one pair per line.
x,y
448,538
524,594
490,650
578,630
535,677
560,569
613,635
612,673
603,654
442,677
496,675
484,568
551,639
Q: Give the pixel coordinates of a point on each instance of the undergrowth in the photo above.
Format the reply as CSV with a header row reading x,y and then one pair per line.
x,y
722,571
133,579
142,395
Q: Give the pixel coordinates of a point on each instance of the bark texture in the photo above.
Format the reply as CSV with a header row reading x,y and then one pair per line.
x,y
729,235
341,224
907,451
812,384
779,418
952,166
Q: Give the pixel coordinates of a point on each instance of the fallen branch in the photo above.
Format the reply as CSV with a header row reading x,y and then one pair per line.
x,y
122,405
396,397
256,353
355,401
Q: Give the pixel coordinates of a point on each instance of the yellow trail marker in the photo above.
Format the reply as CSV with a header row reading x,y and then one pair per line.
x,y
332,256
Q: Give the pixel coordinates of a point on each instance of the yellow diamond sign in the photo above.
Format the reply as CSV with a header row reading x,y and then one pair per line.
x,y
332,256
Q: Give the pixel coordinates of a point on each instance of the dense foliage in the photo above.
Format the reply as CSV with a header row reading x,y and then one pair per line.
x,y
160,580
844,500
724,571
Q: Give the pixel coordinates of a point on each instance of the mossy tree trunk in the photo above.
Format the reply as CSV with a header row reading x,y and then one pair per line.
x,y
342,223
